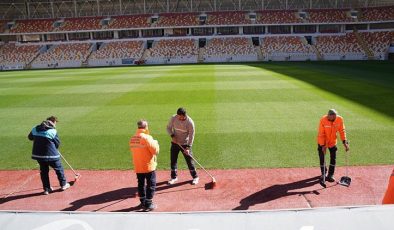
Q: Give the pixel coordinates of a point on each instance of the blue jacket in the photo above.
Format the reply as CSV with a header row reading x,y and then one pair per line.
x,y
45,142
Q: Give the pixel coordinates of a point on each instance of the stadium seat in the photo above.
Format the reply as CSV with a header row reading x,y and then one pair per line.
x,y
130,21
76,24
178,19
230,49
63,55
377,14
336,47
328,15
278,17
15,54
119,49
30,26
173,51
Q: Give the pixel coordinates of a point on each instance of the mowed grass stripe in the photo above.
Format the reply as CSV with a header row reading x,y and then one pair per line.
x,y
247,116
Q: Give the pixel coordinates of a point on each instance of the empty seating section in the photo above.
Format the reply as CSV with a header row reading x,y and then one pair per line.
x,y
230,47
277,17
65,52
188,19
119,50
75,24
227,18
286,44
136,21
329,15
378,42
340,45
377,14
174,48
31,26
17,54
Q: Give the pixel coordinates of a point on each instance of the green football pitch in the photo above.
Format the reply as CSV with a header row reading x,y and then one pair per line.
x,y
246,115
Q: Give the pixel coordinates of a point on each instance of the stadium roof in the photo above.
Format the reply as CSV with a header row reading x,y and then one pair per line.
x,y
24,9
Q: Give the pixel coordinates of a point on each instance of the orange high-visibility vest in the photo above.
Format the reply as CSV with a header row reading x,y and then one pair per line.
x,y
144,150
389,196
327,134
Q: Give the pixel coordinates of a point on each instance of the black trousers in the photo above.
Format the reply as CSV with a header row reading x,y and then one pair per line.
x,y
146,191
175,149
44,172
333,157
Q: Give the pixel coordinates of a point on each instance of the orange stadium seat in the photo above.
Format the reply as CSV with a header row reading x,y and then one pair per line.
x,y
131,21
30,26
17,54
227,18
229,47
119,49
65,52
284,44
377,14
328,15
174,48
179,19
75,24
277,17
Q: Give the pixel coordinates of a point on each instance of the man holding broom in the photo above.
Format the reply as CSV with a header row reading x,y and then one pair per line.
x,y
45,150
329,125
181,129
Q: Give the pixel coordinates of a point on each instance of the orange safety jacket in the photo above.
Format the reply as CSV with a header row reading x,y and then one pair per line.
x,y
144,150
327,135
389,195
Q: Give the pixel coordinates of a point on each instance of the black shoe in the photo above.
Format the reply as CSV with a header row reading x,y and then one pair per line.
x,y
142,204
149,207
330,178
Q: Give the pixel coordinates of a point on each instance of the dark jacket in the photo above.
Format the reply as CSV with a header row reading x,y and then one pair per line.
x,y
45,142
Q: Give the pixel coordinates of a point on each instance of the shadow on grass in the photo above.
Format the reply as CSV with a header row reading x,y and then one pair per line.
x,y
278,191
369,83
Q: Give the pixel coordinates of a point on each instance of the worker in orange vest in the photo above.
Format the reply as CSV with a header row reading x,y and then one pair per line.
x,y
329,126
144,150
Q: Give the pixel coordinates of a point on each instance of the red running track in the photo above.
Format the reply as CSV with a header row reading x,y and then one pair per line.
x,y
245,189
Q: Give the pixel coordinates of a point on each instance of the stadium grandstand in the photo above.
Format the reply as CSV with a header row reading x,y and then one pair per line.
x,y
73,33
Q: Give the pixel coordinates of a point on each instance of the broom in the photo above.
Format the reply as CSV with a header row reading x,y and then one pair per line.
x,y
210,185
77,176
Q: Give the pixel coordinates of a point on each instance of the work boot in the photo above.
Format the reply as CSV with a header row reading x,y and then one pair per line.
x,y
195,180
65,187
330,178
322,179
48,190
142,204
149,206
173,180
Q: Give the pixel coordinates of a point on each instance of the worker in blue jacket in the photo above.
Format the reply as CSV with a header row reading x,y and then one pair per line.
x,y
45,150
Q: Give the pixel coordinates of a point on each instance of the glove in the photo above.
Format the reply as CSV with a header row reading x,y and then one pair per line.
x,y
346,145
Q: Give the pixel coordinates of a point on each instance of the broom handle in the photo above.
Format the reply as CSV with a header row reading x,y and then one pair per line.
x,y
67,163
347,162
183,149
324,166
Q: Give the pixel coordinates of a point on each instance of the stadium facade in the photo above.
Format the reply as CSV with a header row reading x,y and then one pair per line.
x,y
62,34
24,9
